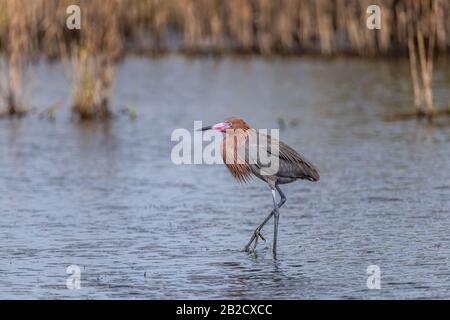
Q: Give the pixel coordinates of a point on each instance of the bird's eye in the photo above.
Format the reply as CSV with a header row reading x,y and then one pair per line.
x,y
229,124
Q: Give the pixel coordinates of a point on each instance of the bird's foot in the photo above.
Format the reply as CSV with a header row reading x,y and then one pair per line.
x,y
248,249
258,234
248,246
254,240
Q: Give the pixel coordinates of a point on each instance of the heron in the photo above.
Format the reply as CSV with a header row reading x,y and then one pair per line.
x,y
291,166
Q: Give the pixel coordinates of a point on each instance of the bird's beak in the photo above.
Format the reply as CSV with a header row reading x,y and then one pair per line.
x,y
205,128
218,126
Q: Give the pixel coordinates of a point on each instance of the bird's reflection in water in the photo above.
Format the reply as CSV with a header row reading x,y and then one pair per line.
x,y
275,278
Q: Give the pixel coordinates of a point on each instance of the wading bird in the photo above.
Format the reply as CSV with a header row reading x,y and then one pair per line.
x,y
291,166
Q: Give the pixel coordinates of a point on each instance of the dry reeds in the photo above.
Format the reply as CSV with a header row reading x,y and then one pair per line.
x,y
422,30
14,87
112,27
259,26
90,63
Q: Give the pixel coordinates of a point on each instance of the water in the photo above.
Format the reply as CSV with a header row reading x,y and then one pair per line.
x,y
106,197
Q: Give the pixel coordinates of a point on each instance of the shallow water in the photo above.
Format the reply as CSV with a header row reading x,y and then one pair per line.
x,y
107,197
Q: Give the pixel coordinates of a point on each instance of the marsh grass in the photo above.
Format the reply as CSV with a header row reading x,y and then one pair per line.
x,y
418,29
422,32
90,63
256,26
15,82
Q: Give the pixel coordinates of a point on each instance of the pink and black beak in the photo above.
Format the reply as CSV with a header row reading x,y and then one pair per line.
x,y
221,126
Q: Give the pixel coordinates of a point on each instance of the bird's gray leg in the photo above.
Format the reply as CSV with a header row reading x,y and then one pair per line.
x,y
277,216
283,197
275,224
257,233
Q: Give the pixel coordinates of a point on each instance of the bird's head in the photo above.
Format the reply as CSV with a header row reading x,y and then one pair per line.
x,y
231,123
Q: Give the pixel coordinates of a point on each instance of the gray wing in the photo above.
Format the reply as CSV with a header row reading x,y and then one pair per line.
x,y
290,163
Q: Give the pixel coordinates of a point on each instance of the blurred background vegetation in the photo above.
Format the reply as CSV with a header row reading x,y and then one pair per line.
x,y
29,30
